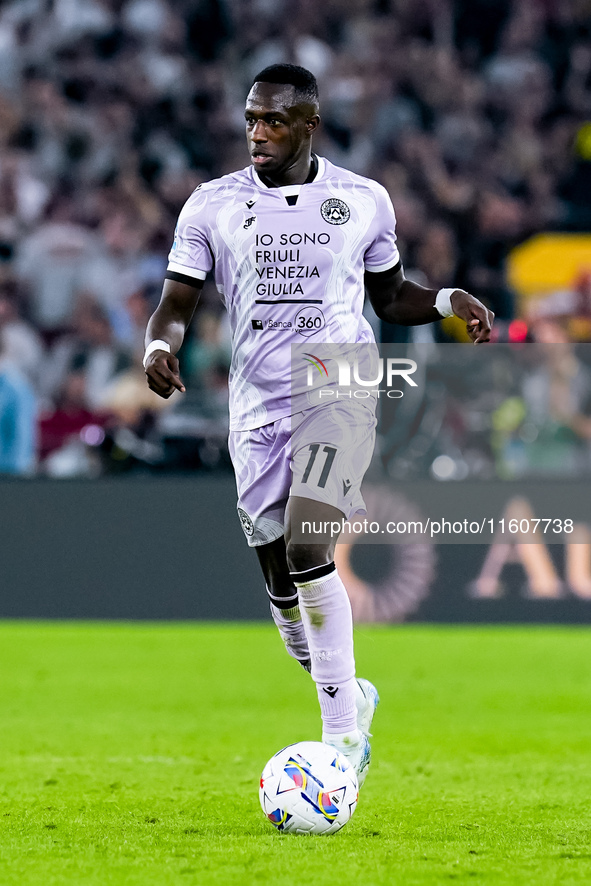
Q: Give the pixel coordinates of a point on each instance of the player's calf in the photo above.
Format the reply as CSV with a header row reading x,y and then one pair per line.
x,y
327,619
288,619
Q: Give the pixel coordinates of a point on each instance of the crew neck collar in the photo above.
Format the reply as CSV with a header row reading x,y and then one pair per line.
x,y
267,184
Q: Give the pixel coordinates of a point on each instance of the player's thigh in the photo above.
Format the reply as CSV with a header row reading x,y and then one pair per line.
x,y
263,477
331,448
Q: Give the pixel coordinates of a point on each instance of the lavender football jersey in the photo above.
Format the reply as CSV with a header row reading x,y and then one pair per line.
x,y
289,265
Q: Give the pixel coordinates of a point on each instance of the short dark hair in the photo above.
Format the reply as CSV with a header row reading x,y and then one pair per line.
x,y
303,81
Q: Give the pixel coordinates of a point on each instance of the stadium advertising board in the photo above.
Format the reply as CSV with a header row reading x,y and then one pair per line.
x,y
77,549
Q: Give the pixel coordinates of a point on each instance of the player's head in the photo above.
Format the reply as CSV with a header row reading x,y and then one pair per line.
x,y
305,87
281,116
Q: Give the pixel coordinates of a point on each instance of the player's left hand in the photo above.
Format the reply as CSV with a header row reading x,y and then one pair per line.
x,y
479,319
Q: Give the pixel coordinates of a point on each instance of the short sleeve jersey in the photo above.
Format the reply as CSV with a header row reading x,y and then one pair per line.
x,y
289,263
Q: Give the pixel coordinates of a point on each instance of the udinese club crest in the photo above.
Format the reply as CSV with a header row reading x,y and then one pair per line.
x,y
247,523
335,211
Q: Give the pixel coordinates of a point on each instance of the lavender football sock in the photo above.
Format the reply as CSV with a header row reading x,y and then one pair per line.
x,y
288,619
327,618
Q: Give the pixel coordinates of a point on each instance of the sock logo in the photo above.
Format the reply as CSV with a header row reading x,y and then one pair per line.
x,y
330,690
327,655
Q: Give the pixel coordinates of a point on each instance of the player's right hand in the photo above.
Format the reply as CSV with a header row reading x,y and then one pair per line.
x,y
162,372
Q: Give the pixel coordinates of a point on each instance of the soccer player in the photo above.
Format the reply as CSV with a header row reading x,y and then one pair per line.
x,y
293,242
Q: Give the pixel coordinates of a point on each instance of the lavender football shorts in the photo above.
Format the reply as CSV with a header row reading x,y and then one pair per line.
x,y
321,453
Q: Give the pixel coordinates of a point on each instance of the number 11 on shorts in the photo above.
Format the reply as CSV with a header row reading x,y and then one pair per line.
x,y
330,454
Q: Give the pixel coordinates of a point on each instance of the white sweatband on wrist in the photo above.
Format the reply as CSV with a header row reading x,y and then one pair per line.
x,y
443,302
156,345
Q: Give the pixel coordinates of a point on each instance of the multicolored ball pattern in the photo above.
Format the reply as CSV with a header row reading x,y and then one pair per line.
x,y
308,788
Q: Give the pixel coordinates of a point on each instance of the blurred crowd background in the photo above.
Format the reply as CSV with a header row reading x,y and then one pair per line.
x,y
474,114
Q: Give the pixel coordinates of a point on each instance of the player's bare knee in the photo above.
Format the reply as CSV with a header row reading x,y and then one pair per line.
x,y
274,565
280,585
301,557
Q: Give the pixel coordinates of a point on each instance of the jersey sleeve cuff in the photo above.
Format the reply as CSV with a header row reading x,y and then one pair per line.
x,y
385,266
187,272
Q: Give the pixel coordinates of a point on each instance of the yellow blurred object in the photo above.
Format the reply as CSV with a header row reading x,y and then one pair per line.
x,y
509,415
579,328
128,396
548,262
455,328
583,142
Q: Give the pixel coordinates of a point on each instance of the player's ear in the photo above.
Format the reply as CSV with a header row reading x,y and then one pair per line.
x,y
312,123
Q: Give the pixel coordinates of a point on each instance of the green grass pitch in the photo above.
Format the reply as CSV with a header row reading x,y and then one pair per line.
x,y
130,754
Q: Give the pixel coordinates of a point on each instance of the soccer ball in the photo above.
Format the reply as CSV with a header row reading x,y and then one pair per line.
x,y
308,788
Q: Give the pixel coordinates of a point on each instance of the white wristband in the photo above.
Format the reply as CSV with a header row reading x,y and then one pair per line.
x,y
156,345
443,302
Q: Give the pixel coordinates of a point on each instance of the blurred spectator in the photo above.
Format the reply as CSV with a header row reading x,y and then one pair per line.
x,y
18,408
208,346
436,256
89,351
22,346
64,423
545,431
571,308
206,361
53,261
499,224
129,320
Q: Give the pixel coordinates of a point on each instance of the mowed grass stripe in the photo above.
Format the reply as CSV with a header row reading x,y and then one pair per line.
x,y
130,754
